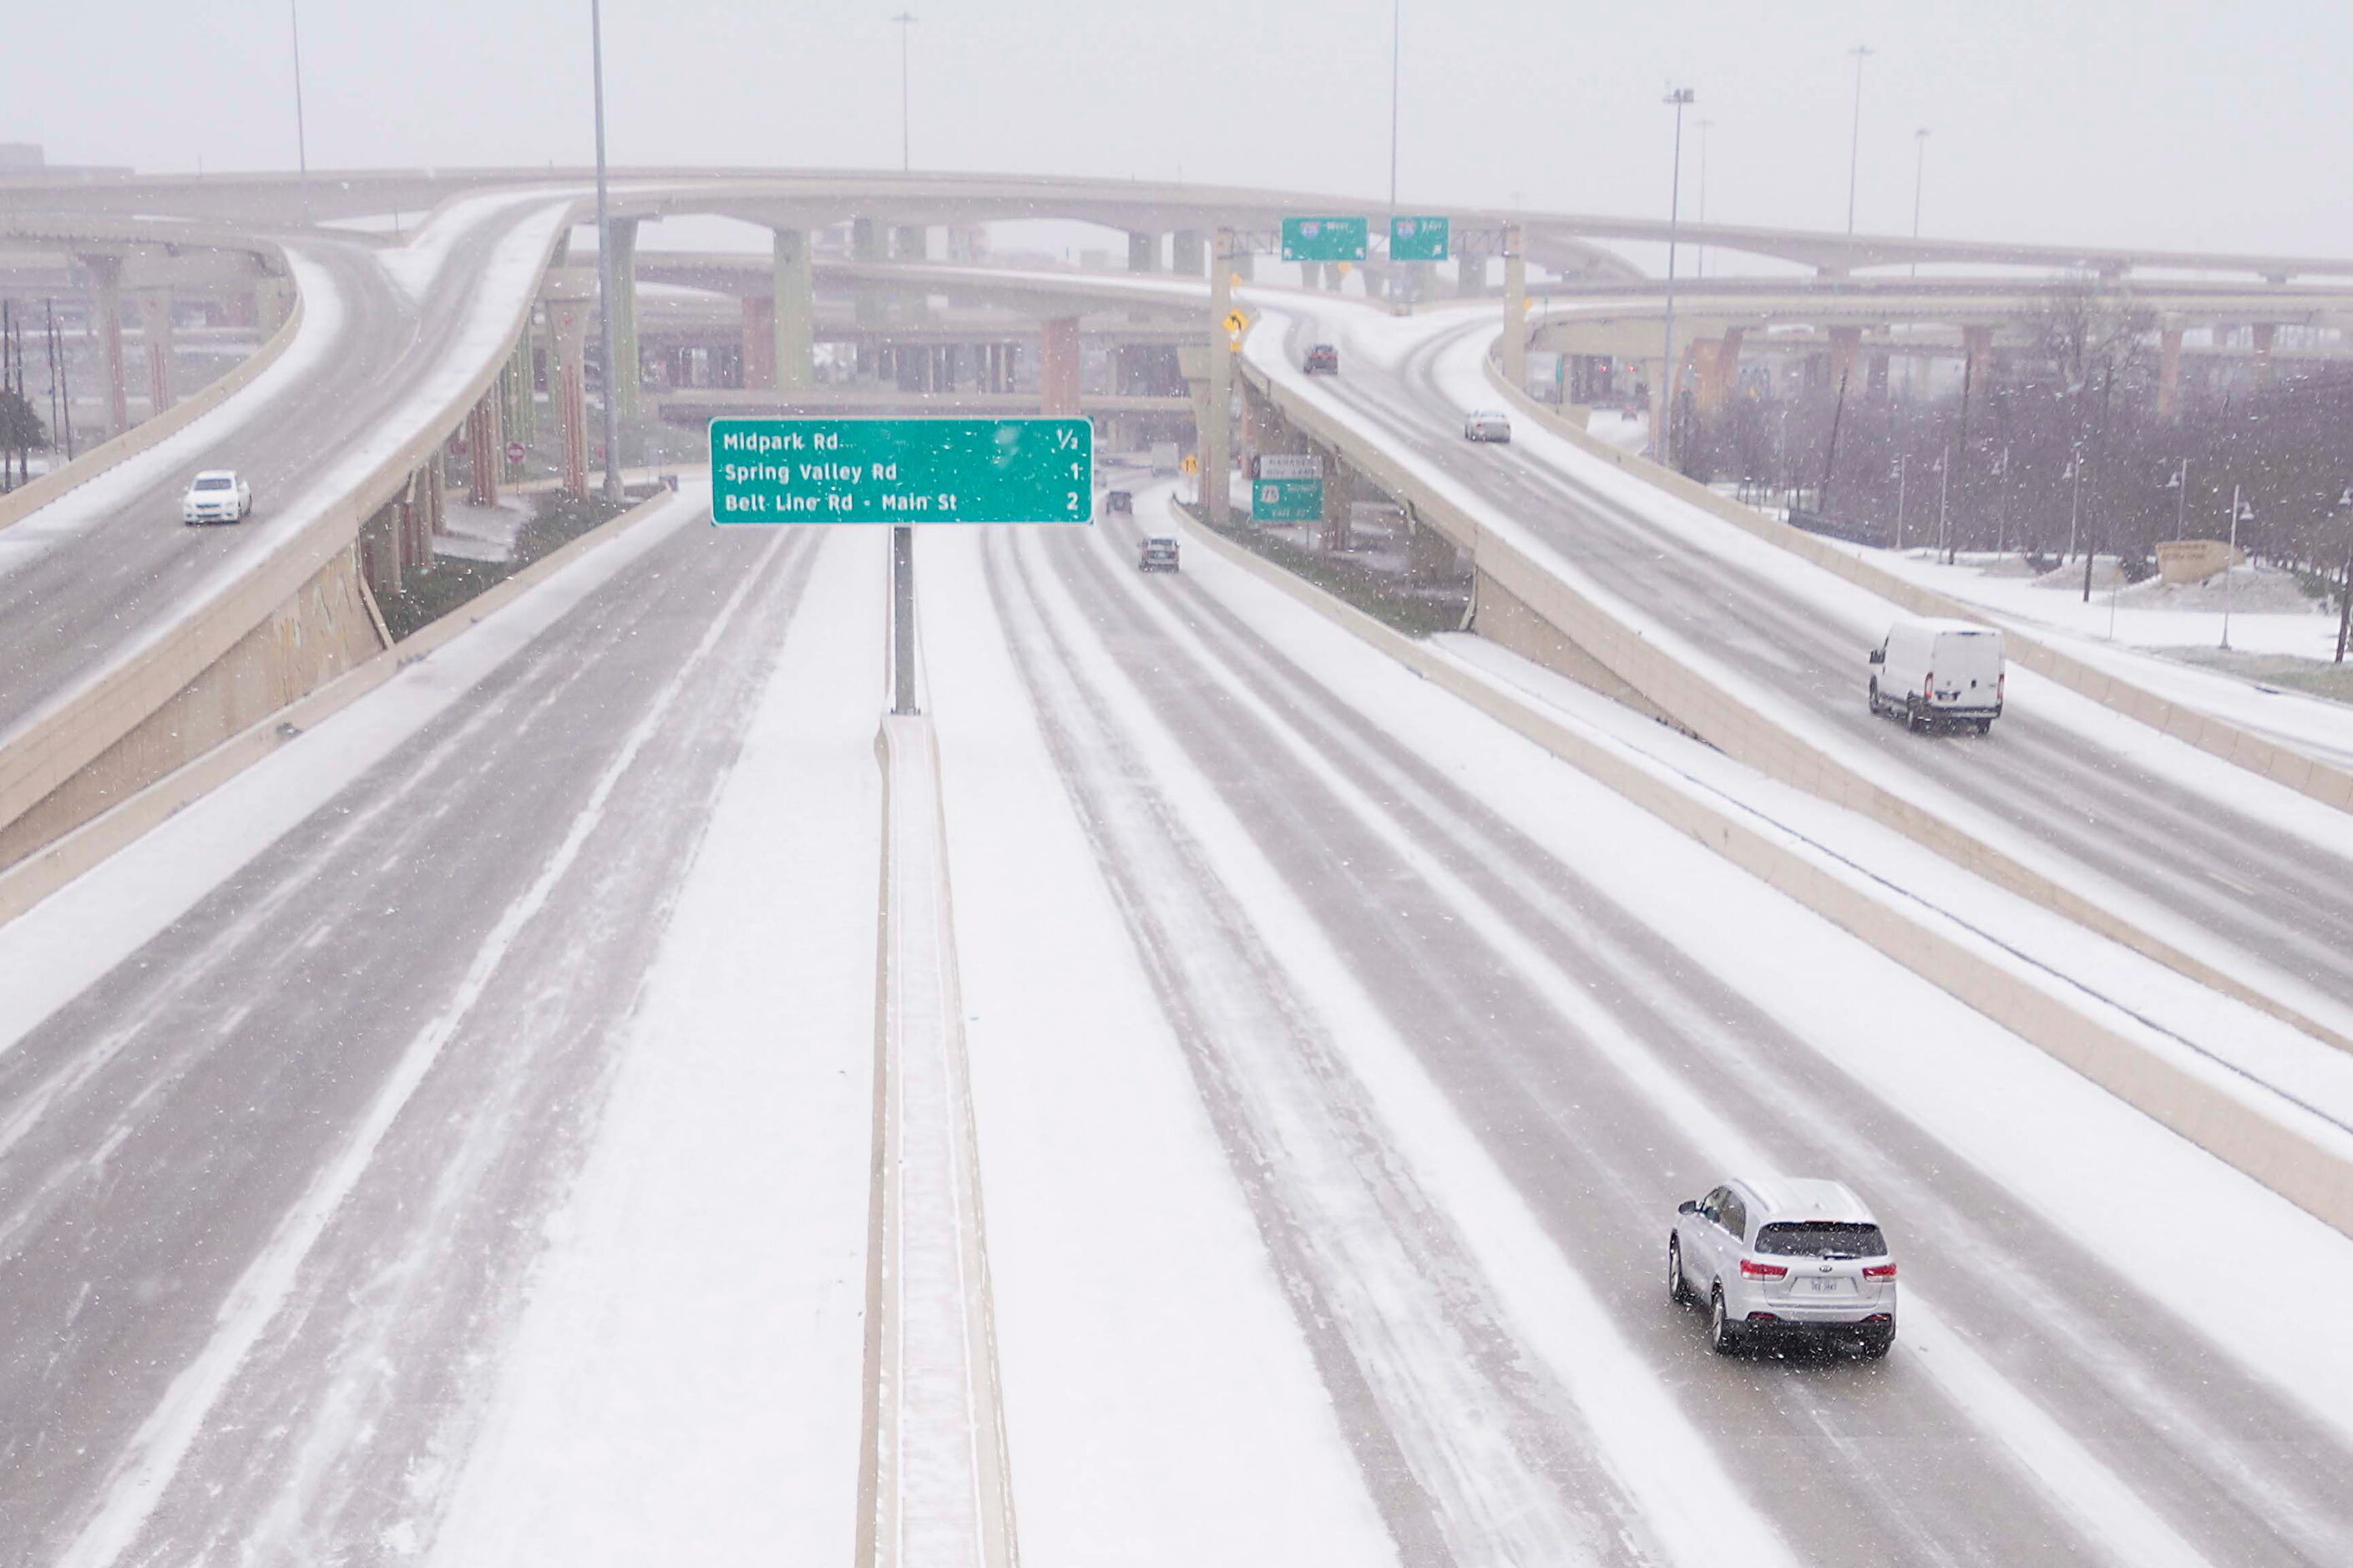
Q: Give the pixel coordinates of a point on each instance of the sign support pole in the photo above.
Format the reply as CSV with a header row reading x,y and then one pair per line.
x,y
902,620
1218,418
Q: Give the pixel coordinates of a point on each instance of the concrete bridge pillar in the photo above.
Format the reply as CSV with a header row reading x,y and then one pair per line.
x,y
1878,392
795,309
622,376
2266,369
1470,268
869,242
1189,253
106,272
1058,368
2169,374
1143,252
155,332
1977,346
1719,368
1844,341
911,242
759,344
569,296
1428,552
519,383
486,441
1516,310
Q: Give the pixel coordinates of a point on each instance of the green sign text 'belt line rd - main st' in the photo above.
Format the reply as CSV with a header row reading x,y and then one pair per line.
x,y
902,470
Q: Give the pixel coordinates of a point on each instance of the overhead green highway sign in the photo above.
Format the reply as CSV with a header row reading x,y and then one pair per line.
x,y
1418,239
902,470
1323,238
1287,487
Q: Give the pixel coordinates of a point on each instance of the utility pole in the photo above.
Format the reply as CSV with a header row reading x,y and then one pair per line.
x,y
2240,511
65,387
301,141
1663,438
906,20
1855,145
1901,463
1397,57
1944,491
1699,263
1919,179
614,492
2345,583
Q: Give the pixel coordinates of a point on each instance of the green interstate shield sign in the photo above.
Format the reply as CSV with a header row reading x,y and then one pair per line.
x,y
1418,239
902,470
1323,238
1287,500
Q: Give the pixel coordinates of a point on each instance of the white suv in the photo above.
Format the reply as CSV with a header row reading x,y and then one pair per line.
x,y
1784,1257
217,495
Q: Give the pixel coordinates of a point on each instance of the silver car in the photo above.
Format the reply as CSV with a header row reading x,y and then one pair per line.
x,y
1486,425
1784,1257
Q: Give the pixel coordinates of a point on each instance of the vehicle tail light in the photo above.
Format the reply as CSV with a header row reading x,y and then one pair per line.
x,y
1927,685
1880,1271
1880,1318
1752,1269
1764,1317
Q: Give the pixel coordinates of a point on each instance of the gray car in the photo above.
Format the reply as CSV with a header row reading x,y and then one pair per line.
x,y
1486,425
1780,1258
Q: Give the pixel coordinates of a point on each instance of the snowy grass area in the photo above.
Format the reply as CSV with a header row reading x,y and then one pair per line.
x,y
684,1383
1161,1406
485,533
2019,1118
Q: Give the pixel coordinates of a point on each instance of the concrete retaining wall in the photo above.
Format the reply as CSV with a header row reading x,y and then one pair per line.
x,y
1693,702
2304,1169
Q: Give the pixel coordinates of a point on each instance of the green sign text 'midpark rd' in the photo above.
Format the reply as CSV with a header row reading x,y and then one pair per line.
x,y
902,470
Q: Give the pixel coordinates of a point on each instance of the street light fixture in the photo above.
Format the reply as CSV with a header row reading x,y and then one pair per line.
x,y
1679,99
1854,146
2240,512
301,143
906,21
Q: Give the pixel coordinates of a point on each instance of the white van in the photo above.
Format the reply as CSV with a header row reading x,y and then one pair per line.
x,y
1935,672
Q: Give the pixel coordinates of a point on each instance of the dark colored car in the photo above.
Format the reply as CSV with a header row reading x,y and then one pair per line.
x,y
1323,359
1119,504
1159,555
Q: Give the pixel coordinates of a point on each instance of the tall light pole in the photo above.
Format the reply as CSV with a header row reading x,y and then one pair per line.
x,y
613,490
906,20
1680,98
1699,263
1396,54
301,141
2345,583
1919,178
1854,145
2240,512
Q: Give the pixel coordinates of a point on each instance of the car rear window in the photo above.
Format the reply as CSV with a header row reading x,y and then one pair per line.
x,y
212,484
1822,1239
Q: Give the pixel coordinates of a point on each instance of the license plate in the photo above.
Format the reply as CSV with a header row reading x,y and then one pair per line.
x,y
1831,1287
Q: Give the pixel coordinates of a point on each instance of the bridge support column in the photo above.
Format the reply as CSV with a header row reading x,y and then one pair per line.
x,y
1516,310
486,441
911,242
759,344
794,308
1428,552
2266,369
1189,252
106,272
1844,343
156,333
869,242
1977,346
623,375
1143,252
519,383
1878,392
1719,369
570,296
1471,269
1058,368
2169,374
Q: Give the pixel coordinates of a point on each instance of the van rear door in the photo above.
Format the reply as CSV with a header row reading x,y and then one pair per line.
x,y
1968,668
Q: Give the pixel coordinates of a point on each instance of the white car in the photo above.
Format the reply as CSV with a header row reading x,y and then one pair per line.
x,y
1784,1257
217,496
1486,425
1938,672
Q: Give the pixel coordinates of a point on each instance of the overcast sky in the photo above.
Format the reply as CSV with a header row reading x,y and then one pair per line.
x,y
2217,124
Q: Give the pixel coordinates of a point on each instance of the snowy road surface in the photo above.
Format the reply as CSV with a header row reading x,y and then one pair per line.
x,y
2238,871
1462,1027
271,1181
107,564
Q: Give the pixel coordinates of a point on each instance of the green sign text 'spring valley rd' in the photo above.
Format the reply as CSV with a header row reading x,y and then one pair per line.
x,y
902,470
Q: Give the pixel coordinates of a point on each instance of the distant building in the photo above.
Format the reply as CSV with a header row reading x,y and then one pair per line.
x,y
21,158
